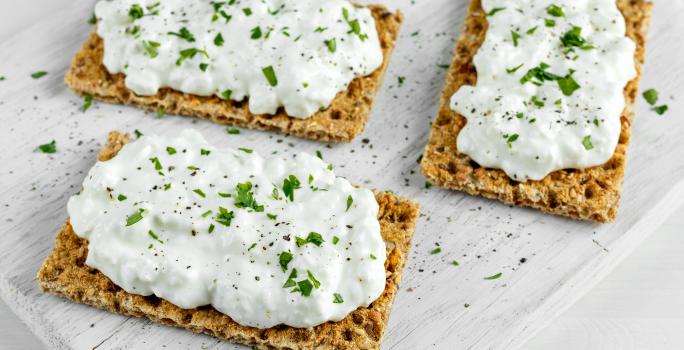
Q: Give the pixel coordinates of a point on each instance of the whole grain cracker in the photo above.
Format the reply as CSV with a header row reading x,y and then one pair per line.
x,y
341,122
587,194
65,273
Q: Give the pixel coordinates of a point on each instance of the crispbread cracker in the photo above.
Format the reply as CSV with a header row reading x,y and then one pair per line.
x,y
341,122
588,194
64,273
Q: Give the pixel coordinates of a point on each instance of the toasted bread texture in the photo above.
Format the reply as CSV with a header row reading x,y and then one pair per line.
x,y
64,273
586,194
341,122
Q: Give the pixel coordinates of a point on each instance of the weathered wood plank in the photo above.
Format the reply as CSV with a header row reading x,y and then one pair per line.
x,y
563,258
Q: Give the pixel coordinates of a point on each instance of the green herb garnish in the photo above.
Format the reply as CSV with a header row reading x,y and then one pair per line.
x,y
493,11
493,277
151,48
245,197
48,147
337,299
314,238
270,75
224,216
290,184
134,218
39,74
331,44
284,259
185,34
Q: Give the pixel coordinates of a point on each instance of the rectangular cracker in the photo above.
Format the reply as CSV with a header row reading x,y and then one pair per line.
x,y
587,194
65,274
341,122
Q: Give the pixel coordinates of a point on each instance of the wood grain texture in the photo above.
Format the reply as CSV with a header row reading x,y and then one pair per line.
x,y
563,258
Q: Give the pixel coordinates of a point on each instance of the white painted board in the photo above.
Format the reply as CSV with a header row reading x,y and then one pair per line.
x,y
564,258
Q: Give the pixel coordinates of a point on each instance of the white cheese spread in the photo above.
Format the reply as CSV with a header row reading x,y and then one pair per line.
x,y
298,54
265,241
550,81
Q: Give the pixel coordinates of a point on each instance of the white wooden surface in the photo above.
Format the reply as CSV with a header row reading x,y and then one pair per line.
x,y
638,306
564,259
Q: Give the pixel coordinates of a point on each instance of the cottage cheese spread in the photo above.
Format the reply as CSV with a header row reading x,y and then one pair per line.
x,y
294,53
265,241
550,81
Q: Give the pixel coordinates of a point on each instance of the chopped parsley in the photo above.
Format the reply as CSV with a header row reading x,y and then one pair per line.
x,y
555,11
92,20
157,164
256,33
270,75
373,257
573,38
661,109
204,152
218,40
651,96
314,238
493,11
331,44
538,75
510,139
39,74
284,259
350,200
247,11
189,54
586,142
515,36
226,94
313,279
121,198
170,150
224,216
137,133
305,287
246,150
335,240
354,26
134,218
436,251
154,236
200,193
150,48
48,147
568,85
136,12
184,34
337,298
493,277
87,102
245,197
514,69
290,184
